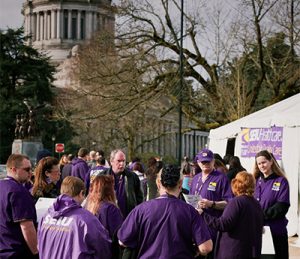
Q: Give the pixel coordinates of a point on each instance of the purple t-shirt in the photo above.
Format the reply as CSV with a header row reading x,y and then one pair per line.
x,y
216,187
111,217
163,228
240,229
69,231
16,204
269,191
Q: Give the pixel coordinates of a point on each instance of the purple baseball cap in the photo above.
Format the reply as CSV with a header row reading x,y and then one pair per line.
x,y
205,155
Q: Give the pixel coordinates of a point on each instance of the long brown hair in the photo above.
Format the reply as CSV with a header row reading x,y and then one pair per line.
x,y
40,178
275,166
101,190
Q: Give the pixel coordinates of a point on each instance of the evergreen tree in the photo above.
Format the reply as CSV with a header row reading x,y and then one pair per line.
x,y
25,75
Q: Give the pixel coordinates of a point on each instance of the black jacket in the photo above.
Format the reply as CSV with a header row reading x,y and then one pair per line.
x,y
133,191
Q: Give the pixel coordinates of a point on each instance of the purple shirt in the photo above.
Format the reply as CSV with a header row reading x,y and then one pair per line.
x,y
269,191
69,231
120,192
111,217
165,227
240,229
16,204
216,187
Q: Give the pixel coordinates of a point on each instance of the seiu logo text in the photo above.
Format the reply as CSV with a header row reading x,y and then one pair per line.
x,y
62,221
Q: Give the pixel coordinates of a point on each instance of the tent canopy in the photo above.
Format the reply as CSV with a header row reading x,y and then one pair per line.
x,y
285,114
282,114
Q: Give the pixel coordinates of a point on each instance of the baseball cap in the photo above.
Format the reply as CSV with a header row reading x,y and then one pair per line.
x,y
205,155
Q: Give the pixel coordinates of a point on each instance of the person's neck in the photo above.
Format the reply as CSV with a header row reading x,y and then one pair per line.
x,y
205,174
266,174
118,174
169,192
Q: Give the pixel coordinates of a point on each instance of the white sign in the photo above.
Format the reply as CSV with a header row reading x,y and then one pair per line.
x,y
42,206
267,247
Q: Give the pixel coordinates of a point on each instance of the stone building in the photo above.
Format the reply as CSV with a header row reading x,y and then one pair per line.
x,y
58,25
57,28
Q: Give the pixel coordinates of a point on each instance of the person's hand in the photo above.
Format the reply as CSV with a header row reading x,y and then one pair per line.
x,y
204,203
199,210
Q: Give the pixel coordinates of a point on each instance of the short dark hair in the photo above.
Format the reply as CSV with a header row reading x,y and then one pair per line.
x,y
100,152
83,152
138,167
170,175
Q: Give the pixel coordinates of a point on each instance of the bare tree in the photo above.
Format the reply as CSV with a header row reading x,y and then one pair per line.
x,y
227,64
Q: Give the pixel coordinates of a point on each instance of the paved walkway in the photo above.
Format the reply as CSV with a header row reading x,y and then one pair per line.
x,y
294,247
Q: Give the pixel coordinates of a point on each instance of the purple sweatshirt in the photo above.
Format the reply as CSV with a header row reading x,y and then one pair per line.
x,y
69,231
79,168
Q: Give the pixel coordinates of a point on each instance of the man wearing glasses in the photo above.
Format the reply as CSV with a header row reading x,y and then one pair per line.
x,y
18,237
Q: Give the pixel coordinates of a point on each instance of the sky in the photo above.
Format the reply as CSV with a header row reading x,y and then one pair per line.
x,y
10,13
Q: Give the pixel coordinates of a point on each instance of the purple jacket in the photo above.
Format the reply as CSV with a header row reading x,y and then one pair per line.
x,y
79,168
69,231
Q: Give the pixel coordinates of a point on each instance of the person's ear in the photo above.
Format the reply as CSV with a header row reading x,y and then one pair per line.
x,y
158,183
180,184
47,173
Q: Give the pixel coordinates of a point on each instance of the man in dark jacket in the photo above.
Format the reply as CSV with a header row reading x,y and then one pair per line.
x,y
79,164
127,183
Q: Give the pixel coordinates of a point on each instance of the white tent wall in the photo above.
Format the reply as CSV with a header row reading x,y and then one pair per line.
x,y
284,114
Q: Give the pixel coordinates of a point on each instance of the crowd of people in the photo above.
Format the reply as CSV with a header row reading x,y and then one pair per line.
x,y
113,209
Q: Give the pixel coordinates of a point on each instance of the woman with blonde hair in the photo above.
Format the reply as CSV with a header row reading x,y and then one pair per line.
x,y
241,224
46,177
273,193
101,202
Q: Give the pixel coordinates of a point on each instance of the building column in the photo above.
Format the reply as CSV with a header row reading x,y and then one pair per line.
x,y
45,25
58,23
53,24
48,25
37,38
26,25
88,24
95,25
33,26
79,25
69,24
30,26
42,26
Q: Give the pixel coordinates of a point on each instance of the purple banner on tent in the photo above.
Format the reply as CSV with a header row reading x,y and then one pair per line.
x,y
257,139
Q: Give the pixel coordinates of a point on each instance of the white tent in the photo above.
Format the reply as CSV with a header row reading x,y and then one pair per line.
x,y
285,114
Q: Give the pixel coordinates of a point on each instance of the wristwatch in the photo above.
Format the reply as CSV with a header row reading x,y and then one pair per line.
x,y
213,204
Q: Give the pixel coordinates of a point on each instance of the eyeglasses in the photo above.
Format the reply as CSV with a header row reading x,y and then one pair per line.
x,y
203,162
54,171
